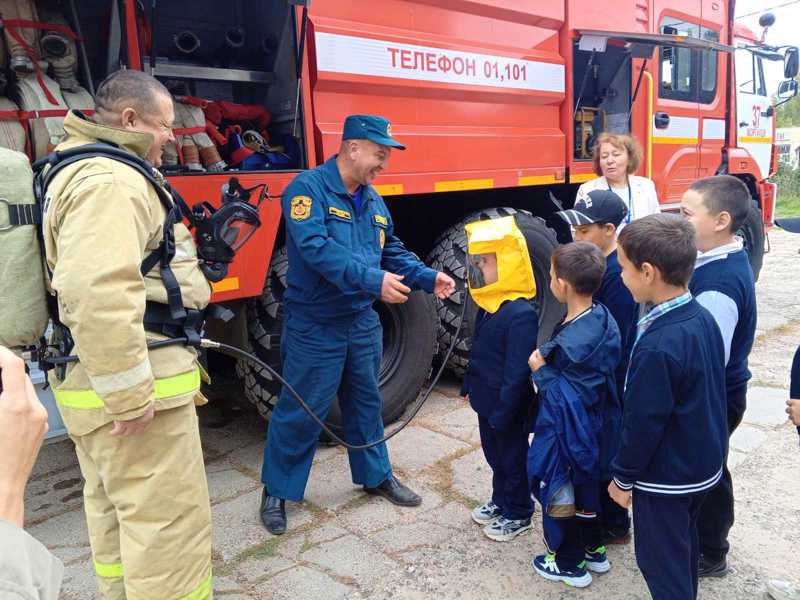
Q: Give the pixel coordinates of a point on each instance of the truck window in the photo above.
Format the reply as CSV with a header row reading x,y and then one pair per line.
x,y
749,73
686,74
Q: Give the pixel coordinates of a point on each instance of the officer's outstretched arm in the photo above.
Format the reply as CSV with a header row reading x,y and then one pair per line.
x,y
305,224
397,259
104,228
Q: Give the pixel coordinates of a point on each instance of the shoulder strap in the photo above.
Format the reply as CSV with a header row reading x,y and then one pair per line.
x,y
45,169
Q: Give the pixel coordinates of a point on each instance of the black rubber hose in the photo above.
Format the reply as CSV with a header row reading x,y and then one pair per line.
x,y
241,354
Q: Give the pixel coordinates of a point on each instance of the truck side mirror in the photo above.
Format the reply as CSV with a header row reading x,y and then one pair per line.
x,y
787,89
791,62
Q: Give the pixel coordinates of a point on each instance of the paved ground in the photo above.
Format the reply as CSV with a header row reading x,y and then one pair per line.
x,y
343,544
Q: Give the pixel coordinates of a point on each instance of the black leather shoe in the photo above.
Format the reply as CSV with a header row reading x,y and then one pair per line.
x,y
712,569
273,513
395,492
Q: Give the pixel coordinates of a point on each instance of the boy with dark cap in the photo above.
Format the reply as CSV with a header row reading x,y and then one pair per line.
x,y
596,219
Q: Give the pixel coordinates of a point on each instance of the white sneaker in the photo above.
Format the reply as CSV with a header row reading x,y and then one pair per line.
x,y
486,513
503,530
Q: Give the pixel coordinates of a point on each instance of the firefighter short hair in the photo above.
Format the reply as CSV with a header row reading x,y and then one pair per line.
x,y
127,87
665,241
581,264
622,142
725,193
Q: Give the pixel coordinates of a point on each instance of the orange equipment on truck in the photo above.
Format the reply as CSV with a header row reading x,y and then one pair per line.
x,y
498,102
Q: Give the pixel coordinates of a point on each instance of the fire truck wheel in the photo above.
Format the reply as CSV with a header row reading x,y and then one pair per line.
x,y
409,344
449,255
752,232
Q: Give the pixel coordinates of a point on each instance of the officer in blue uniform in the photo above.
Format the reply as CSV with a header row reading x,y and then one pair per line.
x,y
343,256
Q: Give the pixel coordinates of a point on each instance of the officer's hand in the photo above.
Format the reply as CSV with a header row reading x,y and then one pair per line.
x,y
444,286
392,290
793,410
135,426
23,423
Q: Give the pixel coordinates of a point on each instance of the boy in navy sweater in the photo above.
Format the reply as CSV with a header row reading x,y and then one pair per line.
x,y
723,284
595,219
497,382
674,434
577,427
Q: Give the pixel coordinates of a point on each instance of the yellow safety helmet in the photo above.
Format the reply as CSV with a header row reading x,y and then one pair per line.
x,y
497,248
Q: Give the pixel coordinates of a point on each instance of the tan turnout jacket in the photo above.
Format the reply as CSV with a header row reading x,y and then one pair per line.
x,y
102,218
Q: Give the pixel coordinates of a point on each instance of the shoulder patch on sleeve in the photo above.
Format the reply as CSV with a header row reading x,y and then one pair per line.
x,y
300,208
381,220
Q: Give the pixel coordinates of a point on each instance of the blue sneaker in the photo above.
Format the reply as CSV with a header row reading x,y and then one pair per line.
x,y
545,565
596,560
486,513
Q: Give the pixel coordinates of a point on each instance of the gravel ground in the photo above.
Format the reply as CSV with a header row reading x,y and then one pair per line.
x,y
343,544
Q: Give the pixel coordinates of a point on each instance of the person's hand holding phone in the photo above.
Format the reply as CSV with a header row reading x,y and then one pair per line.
x,y
23,425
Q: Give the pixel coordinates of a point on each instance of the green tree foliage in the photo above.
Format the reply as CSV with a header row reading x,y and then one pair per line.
x,y
788,115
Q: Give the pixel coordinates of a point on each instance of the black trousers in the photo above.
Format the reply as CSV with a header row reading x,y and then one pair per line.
x,y
506,451
667,547
716,514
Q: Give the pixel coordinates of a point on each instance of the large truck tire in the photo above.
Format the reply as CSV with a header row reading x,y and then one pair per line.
x,y
449,255
409,344
752,233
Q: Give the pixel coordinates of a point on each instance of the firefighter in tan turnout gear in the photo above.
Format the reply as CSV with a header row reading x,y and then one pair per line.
x,y
130,412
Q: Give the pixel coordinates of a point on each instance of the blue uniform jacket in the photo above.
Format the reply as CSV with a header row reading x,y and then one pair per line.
x,y
498,378
338,254
674,432
577,427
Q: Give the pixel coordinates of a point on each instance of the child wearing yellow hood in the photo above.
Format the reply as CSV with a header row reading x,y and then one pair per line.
x,y
497,381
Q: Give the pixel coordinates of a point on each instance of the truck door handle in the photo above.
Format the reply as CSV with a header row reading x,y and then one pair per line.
x,y
743,123
661,120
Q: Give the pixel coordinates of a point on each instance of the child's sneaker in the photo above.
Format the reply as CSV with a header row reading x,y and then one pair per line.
x,y
545,565
486,513
596,560
503,530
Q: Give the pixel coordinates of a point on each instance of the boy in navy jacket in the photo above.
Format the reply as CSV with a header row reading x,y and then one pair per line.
x,y
723,284
595,219
497,380
577,425
674,434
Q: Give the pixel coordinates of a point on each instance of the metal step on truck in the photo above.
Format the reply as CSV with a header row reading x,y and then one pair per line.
x,y
498,102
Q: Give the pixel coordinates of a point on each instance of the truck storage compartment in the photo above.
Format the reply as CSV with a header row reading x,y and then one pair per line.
x,y
602,88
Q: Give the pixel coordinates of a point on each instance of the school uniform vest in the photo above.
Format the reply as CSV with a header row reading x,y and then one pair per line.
x,y
732,275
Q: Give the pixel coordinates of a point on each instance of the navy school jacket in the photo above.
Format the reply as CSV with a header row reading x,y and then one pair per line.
x,y
577,426
674,424
498,377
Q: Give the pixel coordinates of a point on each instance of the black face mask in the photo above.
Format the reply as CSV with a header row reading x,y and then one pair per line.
x,y
222,231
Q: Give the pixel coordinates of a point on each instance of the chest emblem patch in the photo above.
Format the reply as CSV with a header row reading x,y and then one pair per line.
x,y
300,208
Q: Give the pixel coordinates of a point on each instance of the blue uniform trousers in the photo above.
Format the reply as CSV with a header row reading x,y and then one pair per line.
x,y
323,359
667,544
506,451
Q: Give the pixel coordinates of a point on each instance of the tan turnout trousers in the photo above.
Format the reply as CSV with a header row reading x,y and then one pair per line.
x,y
147,507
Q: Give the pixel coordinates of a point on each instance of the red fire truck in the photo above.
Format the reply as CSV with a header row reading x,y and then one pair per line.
x,y
498,102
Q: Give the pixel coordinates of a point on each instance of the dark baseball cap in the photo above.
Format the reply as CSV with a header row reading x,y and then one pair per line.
x,y
791,225
602,206
370,127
